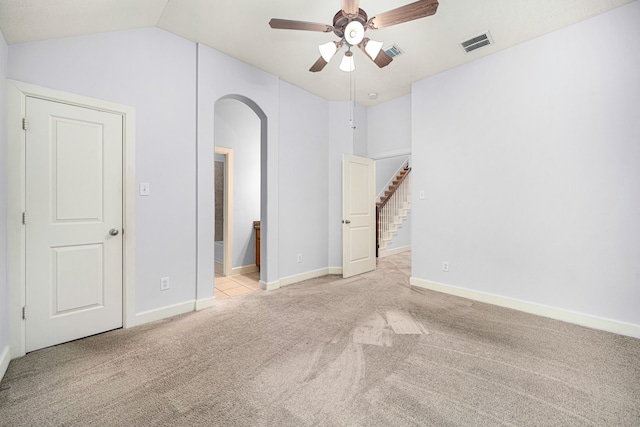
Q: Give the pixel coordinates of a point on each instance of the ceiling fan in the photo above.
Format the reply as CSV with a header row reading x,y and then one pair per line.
x,y
350,24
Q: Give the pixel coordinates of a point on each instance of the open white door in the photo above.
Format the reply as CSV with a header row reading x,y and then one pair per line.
x,y
73,222
358,216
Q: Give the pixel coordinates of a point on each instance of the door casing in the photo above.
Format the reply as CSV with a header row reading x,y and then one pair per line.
x,y
228,208
17,92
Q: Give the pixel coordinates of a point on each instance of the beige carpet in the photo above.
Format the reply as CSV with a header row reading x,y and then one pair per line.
x,y
367,351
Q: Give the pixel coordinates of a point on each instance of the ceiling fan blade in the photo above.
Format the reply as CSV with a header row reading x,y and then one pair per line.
x,y
412,11
286,24
319,65
350,7
381,60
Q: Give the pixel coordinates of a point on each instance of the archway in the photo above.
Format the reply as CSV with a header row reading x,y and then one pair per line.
x,y
240,133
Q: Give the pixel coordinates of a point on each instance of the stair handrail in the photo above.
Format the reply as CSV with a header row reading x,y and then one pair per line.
x,y
405,162
393,188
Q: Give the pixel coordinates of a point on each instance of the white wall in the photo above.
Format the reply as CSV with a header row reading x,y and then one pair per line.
x,y
4,289
389,137
389,142
389,128
530,163
154,72
304,181
340,143
238,127
360,131
220,76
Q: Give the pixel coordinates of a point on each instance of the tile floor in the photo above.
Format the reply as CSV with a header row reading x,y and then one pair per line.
x,y
230,286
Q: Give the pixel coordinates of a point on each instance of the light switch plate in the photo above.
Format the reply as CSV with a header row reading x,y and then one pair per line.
x,y
421,195
145,189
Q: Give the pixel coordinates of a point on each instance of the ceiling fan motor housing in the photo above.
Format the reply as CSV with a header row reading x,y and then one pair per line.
x,y
341,20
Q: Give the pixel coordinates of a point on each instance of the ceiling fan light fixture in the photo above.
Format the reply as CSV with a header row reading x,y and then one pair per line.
x,y
347,65
327,50
372,48
354,33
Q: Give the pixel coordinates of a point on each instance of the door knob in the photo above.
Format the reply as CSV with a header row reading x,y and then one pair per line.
x,y
114,231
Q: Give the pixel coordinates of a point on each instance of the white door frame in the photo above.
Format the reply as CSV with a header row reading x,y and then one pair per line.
x,y
227,234
17,92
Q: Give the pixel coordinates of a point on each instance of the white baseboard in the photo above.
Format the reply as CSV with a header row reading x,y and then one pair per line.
x,y
385,253
285,281
164,312
204,303
5,358
244,269
269,286
289,280
569,316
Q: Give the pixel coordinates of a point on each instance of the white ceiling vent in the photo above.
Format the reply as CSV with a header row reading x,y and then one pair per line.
x,y
393,51
477,42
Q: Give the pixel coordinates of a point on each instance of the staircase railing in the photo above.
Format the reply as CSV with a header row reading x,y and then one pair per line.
x,y
393,200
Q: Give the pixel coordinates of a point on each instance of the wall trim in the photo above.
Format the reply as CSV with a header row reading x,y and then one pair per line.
x,y
5,358
246,269
594,322
164,312
385,253
204,303
17,92
391,154
290,280
269,286
335,270
227,223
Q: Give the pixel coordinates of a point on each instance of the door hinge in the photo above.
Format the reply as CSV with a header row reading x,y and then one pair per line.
x,y
24,312
24,218
25,123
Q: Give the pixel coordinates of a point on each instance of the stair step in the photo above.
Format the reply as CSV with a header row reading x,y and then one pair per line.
x,y
399,209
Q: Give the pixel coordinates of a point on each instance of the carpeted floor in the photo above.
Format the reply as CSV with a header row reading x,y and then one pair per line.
x,y
366,351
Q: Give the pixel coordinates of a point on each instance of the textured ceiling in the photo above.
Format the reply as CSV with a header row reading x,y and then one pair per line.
x,y
240,29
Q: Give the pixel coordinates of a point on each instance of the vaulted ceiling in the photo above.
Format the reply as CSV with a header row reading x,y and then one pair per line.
x,y
240,29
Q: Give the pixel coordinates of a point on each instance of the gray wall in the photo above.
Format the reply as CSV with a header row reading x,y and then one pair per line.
x,y
530,163
154,72
4,289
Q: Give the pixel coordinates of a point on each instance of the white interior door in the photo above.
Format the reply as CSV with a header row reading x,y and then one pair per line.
x,y
73,222
358,216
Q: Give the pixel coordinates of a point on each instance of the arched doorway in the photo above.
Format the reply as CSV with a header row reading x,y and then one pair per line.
x,y
240,196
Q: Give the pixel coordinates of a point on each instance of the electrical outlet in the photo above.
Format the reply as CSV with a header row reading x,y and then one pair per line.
x,y
164,283
445,266
299,257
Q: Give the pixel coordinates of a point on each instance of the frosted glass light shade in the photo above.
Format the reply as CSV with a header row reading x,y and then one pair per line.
x,y
347,65
373,48
327,50
354,33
